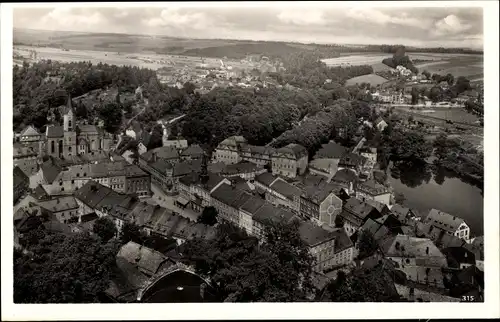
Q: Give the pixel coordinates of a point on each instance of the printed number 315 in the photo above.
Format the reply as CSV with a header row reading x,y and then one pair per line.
x,y
468,298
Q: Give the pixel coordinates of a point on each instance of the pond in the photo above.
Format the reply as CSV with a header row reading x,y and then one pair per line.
x,y
428,187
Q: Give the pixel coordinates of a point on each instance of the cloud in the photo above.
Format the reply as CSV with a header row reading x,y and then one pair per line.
x,y
302,17
411,26
450,25
378,17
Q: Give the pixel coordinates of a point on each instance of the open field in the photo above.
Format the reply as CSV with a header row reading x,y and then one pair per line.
x,y
372,79
152,61
452,114
470,66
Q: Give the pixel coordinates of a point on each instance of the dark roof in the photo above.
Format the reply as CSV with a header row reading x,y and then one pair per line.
x,y
286,189
148,261
226,194
87,128
313,235
145,138
19,176
356,211
268,212
443,220
39,192
265,178
318,194
165,152
241,167
55,131
331,150
296,150
193,150
373,188
352,159
342,241
50,171
186,167
345,175
253,204
161,165
400,212
377,205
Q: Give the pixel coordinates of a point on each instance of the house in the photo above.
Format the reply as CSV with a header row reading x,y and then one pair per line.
x,y
345,178
228,200
324,167
381,124
321,203
459,257
20,183
178,144
352,161
30,134
470,284
371,190
264,181
147,260
289,161
355,213
192,189
281,192
46,174
64,209
25,156
266,214
383,227
418,258
166,153
260,155
228,151
321,244
244,169
39,193
381,207
403,214
369,153
450,224
192,152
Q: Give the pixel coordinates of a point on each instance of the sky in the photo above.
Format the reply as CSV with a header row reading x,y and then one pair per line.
x,y
426,27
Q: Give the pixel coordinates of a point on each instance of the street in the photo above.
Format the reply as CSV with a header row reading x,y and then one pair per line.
x,y
160,198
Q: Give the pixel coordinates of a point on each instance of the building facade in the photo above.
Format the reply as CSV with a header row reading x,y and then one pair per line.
x,y
290,161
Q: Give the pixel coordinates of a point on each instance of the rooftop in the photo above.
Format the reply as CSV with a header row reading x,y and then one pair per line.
x,y
443,220
345,175
30,131
55,131
373,188
147,260
59,204
241,167
265,178
294,149
410,247
193,150
313,235
284,188
165,152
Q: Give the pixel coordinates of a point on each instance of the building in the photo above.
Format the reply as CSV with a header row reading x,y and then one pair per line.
x,y
25,156
64,209
459,257
324,167
371,190
259,155
192,152
355,213
290,161
418,258
178,144
449,224
321,203
193,190
244,169
264,181
404,214
228,200
381,124
345,178
72,139
21,183
119,176
166,153
282,193
352,161
369,153
166,175
228,151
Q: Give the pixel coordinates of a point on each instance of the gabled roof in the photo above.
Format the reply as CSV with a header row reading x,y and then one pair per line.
x,y
285,189
165,152
400,212
30,131
50,171
268,212
352,159
345,175
87,128
266,178
443,220
410,247
40,193
241,167
253,204
19,176
294,149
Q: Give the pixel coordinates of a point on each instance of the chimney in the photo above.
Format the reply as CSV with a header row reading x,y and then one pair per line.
x,y
154,156
427,250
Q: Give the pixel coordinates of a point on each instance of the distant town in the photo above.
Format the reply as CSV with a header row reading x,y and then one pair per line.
x,y
263,177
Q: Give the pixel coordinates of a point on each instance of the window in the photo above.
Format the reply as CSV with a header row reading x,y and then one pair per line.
x,y
72,181
62,188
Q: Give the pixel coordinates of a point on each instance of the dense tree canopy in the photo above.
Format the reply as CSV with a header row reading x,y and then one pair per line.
x,y
104,228
244,271
64,269
208,216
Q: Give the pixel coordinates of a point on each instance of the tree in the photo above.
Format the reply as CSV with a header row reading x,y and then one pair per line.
x,y
64,269
104,228
450,79
208,216
174,132
189,87
156,139
426,74
435,94
131,232
414,95
367,245
112,116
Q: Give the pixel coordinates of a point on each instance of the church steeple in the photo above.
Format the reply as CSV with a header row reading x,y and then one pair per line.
x,y
69,116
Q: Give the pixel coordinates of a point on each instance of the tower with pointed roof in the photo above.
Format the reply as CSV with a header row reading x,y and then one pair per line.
x,y
69,125
69,116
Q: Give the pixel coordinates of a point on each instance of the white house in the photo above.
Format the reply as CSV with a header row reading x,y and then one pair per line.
x,y
452,225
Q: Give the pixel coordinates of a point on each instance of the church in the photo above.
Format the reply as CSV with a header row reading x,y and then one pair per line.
x,y
71,139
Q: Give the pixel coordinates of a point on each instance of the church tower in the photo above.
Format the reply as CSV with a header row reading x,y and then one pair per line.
x,y
69,117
